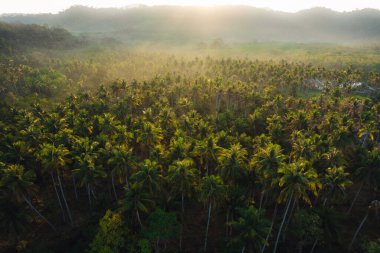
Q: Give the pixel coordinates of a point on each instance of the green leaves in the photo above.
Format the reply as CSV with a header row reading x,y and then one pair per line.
x,y
250,229
299,178
111,236
17,180
161,225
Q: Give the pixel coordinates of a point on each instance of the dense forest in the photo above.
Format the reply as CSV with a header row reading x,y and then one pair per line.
x,y
18,37
142,149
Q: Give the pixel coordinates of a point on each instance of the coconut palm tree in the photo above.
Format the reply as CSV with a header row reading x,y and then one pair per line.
x,y
20,184
137,200
88,172
182,177
233,163
297,181
148,176
120,163
54,159
207,152
335,182
250,229
212,192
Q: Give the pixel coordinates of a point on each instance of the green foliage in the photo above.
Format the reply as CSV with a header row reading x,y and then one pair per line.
x,y
18,37
144,246
373,246
306,228
161,225
205,140
111,235
250,229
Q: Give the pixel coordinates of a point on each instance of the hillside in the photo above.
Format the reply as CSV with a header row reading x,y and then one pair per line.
x,y
232,24
19,37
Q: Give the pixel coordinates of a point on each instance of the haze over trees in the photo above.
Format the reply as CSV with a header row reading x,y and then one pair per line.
x,y
230,23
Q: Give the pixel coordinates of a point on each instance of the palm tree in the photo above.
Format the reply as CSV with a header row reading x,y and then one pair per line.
x,y
148,136
148,176
13,216
368,173
53,159
251,229
212,192
120,163
20,184
373,205
232,163
88,172
297,180
137,200
266,162
335,182
207,153
182,177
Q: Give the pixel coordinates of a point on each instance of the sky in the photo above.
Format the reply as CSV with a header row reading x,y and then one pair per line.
x,y
55,6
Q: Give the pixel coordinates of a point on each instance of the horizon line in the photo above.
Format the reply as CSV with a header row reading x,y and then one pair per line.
x,y
131,6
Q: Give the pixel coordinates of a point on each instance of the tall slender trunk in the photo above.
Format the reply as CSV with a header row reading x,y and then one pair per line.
x,y
158,245
75,188
355,198
261,199
290,216
93,192
89,194
314,245
64,199
183,202
138,217
271,227
282,223
208,224
357,231
126,178
182,219
39,214
59,199
113,184
227,219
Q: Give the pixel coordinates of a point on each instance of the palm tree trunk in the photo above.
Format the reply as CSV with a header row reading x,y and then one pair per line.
x,y
113,184
355,198
64,199
227,218
261,199
271,227
282,223
182,220
89,194
357,231
208,224
290,216
138,217
158,245
75,188
314,245
59,199
183,202
126,178
93,192
39,214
